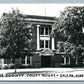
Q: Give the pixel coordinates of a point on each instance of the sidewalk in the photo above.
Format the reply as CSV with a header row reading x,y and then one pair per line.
x,y
58,70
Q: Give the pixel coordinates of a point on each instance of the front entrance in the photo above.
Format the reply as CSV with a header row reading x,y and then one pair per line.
x,y
46,55
45,61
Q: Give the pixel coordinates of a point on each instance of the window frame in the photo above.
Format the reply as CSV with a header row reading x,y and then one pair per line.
x,y
44,31
41,43
47,31
23,59
44,44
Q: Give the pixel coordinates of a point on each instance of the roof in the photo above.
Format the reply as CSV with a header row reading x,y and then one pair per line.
x,y
34,19
40,17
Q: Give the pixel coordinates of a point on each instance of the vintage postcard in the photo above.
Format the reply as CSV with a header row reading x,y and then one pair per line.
x,y
41,42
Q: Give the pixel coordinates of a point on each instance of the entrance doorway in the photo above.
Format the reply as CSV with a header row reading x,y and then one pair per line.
x,y
45,61
46,55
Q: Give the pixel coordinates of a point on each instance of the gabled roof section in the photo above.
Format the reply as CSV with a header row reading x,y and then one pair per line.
x,y
46,52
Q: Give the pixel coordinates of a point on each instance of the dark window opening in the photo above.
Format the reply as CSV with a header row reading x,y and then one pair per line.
x,y
49,31
41,44
42,31
46,44
46,31
28,60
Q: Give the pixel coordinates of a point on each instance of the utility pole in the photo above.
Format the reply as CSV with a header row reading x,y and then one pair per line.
x,y
45,7
45,10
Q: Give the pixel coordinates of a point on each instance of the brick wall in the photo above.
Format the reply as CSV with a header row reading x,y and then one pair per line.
x,y
34,35
36,60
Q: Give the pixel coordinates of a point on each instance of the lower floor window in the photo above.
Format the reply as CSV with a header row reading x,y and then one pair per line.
x,y
41,44
26,60
44,43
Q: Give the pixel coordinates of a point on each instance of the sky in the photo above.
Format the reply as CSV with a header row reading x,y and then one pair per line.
x,y
37,9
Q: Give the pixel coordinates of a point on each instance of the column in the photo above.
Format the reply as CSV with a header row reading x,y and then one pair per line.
x,y
25,60
69,61
2,61
82,29
38,43
65,60
30,60
53,44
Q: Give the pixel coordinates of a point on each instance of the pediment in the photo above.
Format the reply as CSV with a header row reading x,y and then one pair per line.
x,y
46,52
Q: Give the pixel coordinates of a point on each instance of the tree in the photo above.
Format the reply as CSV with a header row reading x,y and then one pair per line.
x,y
16,36
67,49
69,25
68,28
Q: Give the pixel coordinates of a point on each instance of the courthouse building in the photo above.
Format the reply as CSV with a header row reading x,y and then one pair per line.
x,y
46,54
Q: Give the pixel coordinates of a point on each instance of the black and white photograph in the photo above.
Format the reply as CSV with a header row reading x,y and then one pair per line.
x,y
41,42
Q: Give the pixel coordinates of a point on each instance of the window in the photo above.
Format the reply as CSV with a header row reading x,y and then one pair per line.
x,y
44,36
44,43
26,61
42,31
46,31
41,44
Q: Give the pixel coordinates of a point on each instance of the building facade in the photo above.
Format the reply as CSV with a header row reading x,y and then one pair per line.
x,y
41,36
46,54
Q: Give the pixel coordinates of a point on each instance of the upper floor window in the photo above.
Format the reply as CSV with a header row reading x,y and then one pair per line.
x,y
44,31
41,31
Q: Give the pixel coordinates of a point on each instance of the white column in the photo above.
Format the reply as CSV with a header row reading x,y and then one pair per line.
x,y
53,44
44,44
82,29
30,60
69,60
2,61
25,60
38,43
65,60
